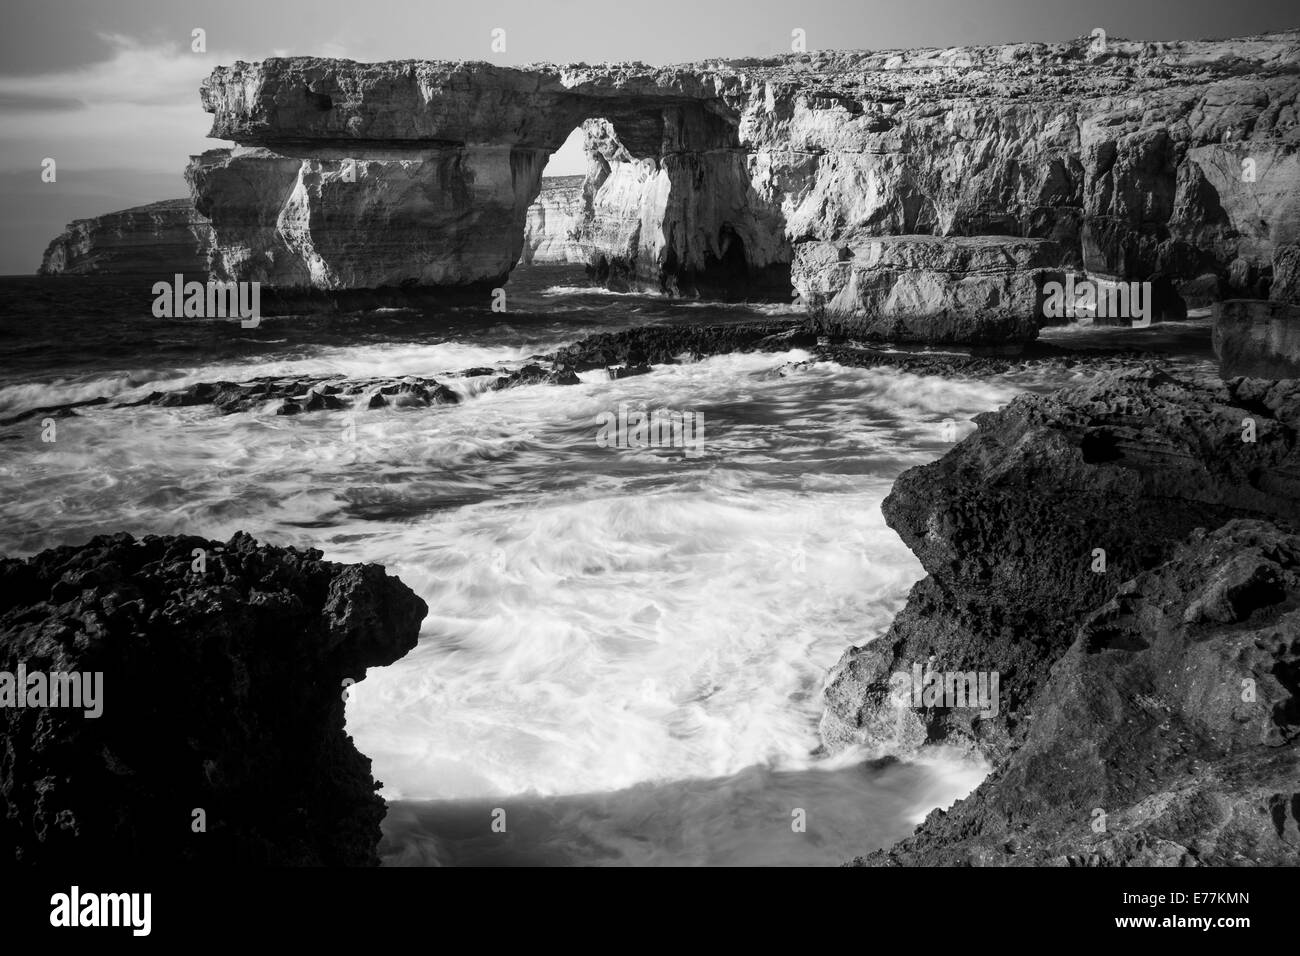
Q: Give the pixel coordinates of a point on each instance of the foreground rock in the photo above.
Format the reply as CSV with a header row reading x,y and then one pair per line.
x,y
159,239
221,692
1168,733
1013,524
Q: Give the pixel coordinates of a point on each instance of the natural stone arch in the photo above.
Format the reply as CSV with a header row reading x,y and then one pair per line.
x,y
375,175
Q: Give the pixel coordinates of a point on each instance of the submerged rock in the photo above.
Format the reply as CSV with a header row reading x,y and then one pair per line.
x,y
221,736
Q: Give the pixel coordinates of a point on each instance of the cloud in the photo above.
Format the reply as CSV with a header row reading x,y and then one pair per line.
x,y
137,110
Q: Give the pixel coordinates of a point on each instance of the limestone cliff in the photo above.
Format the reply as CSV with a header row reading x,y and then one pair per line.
x,y
552,229
1139,160
161,238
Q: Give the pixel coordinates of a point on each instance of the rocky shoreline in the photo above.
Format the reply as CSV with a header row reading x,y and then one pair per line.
x,y
1118,561
1190,491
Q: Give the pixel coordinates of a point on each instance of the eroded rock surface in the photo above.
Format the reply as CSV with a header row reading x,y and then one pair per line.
x,y
159,239
1010,523
222,691
1167,735
553,228
709,176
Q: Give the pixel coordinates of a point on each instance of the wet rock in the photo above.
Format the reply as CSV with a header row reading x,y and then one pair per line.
x,y
536,375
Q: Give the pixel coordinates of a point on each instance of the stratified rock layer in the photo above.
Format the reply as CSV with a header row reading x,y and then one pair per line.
x,y
1142,161
552,231
159,239
222,692
929,289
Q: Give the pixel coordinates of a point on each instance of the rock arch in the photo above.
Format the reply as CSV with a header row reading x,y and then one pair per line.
x,y
360,176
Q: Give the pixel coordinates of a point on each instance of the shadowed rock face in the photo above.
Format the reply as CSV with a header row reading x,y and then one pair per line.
x,y
1120,682
711,175
221,690
159,239
1257,337
1168,734
1007,525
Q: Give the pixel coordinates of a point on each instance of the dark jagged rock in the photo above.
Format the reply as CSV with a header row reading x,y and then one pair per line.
x,y
1007,523
56,411
1257,338
221,691
948,364
1168,733
536,375
617,372
299,395
666,344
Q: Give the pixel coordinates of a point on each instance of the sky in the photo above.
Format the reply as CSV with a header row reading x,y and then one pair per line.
x,y
108,89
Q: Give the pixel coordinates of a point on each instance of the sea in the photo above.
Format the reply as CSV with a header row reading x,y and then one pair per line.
x,y
626,647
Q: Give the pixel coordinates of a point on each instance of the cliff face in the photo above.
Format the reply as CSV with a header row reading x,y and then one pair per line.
x,y
221,692
1166,160
552,229
1082,508
1008,526
161,238
1168,734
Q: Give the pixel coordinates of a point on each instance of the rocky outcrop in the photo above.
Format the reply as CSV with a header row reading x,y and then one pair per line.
x,y
927,288
1257,337
221,733
1067,555
1033,521
160,239
1167,735
1141,161
553,227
